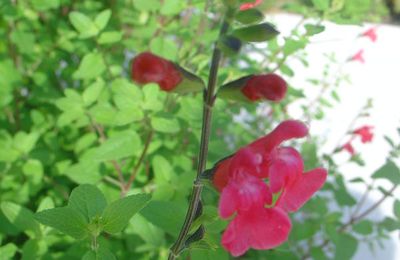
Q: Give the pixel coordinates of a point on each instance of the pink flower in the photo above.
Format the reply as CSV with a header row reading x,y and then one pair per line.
x,y
299,191
359,56
245,195
349,148
371,34
365,133
247,6
259,228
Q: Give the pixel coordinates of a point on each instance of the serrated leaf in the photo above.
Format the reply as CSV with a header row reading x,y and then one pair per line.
x,y
22,218
389,171
83,24
118,213
102,19
65,220
91,66
88,200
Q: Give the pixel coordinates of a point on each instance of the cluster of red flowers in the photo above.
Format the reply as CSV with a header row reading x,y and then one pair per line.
x,y
364,133
370,34
259,222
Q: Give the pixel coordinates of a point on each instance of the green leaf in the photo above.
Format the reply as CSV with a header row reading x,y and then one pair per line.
x,y
101,254
291,46
162,168
91,94
83,24
364,227
313,29
117,214
249,16
389,171
110,37
85,171
121,145
164,47
102,19
66,220
8,251
166,215
25,142
256,33
22,218
43,5
322,5
147,231
230,45
346,246
88,200
147,5
172,7
396,209
91,66
165,124
390,224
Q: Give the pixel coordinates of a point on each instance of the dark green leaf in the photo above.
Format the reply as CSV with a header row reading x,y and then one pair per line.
x,y
21,217
117,214
346,246
65,220
256,33
364,227
249,16
88,200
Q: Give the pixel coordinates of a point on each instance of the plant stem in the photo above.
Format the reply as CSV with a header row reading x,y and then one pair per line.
x,y
205,136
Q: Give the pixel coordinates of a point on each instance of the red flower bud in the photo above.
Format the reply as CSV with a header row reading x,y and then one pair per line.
x,y
150,68
247,6
269,86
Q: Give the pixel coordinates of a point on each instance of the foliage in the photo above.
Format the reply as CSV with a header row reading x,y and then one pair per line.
x,y
76,131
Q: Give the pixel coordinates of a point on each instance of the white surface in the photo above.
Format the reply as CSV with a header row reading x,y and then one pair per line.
x,y
378,79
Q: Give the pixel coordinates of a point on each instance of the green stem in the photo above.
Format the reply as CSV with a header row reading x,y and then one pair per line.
x,y
202,159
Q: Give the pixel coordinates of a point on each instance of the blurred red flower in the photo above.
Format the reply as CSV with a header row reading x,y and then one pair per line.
x,y
365,133
268,86
371,34
247,6
359,56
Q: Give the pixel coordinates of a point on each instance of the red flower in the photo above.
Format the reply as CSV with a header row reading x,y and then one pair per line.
x,y
359,56
247,6
371,34
245,193
150,68
349,147
365,133
269,86
258,228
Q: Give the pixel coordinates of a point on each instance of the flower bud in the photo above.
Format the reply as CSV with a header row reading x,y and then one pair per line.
x,y
255,87
150,68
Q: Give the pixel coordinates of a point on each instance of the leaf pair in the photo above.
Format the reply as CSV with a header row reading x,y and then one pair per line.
x,y
87,213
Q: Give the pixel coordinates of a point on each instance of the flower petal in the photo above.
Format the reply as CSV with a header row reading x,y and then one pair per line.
x,y
259,228
300,191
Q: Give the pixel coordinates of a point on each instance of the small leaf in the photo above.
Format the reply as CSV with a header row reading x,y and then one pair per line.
x,y
91,66
256,33
313,29
363,227
162,168
21,217
172,214
249,16
88,200
389,171
8,251
102,19
65,220
123,144
83,24
165,124
117,214
91,93
396,209
109,37
346,246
